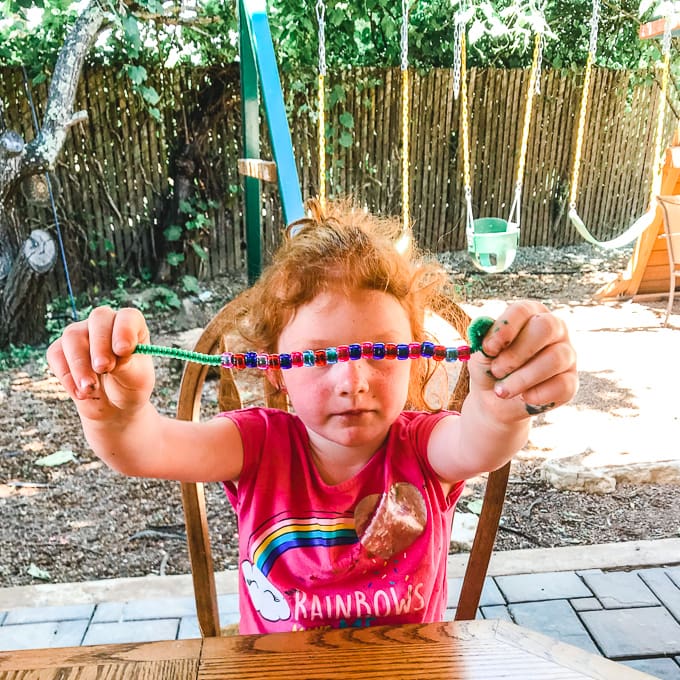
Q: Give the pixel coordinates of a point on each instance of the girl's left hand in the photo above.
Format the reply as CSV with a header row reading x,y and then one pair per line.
x,y
527,360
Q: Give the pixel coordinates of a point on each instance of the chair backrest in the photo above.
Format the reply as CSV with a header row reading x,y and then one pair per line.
x,y
215,339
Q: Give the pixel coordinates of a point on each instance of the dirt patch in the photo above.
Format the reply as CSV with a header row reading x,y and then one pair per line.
x,y
80,521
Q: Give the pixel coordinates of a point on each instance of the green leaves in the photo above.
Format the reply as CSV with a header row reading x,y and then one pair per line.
x,y
173,233
132,36
347,119
358,33
190,284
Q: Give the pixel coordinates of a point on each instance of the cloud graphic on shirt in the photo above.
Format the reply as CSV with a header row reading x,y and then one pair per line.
x,y
264,595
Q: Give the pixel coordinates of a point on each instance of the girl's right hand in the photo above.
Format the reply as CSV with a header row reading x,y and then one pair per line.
x,y
94,362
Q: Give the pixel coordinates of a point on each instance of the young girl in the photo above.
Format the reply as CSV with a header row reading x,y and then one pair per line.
x,y
344,507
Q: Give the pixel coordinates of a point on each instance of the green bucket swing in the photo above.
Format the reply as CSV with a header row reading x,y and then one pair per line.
x,y
492,245
493,241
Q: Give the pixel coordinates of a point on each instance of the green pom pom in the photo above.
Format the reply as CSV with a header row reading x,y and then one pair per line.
x,y
477,330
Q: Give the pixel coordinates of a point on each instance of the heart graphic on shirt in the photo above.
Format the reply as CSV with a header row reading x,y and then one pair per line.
x,y
388,523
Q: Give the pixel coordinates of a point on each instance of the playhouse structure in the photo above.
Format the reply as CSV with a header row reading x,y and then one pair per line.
x,y
647,272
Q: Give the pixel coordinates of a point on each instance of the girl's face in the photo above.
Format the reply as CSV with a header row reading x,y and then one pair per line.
x,y
351,405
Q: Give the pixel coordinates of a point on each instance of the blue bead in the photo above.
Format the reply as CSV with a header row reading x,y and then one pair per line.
x,y
251,359
451,354
378,350
427,349
286,361
402,351
308,357
355,352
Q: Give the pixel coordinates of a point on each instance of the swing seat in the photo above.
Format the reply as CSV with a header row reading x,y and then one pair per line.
x,y
492,246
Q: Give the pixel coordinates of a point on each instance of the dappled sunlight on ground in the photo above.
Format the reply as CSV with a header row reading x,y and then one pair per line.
x,y
48,389
627,410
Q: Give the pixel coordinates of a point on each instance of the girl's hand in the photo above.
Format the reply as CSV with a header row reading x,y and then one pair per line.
x,y
94,362
528,364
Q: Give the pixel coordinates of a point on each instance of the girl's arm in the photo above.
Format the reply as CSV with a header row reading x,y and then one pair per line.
x,y
111,388
528,367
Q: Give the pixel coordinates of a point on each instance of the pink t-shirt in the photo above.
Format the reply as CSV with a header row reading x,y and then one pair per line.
x,y
369,551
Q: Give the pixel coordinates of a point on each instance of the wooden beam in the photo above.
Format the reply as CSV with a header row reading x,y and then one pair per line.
x,y
255,167
655,29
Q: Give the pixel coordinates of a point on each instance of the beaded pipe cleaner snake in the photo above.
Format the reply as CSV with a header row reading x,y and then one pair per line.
x,y
331,355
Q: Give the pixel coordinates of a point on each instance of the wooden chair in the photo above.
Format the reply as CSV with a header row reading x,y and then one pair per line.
x,y
671,223
212,341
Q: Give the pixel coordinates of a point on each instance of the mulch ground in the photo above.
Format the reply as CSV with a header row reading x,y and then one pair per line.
x,y
80,521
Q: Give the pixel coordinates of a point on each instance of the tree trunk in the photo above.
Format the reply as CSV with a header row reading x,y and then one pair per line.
x,y
23,295
24,261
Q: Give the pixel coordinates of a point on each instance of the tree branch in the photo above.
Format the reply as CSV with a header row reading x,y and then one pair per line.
x,y
176,20
42,152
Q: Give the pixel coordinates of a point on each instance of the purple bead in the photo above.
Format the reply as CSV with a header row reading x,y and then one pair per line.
x,y
427,349
285,361
378,350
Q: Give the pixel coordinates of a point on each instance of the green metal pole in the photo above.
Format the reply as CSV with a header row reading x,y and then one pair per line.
x,y
250,117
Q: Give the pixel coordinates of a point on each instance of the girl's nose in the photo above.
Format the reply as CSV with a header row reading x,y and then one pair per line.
x,y
351,377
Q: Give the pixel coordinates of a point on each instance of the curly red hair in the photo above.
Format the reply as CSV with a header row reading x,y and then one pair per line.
x,y
342,246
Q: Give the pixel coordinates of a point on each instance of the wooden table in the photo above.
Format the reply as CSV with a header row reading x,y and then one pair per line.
x,y
455,651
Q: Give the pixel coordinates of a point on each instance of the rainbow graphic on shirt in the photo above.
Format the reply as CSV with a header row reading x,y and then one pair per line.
x,y
280,534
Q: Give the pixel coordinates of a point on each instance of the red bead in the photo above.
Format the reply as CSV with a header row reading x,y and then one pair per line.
x,y
239,361
463,353
439,353
320,357
367,350
296,359
390,350
343,353
274,361
414,349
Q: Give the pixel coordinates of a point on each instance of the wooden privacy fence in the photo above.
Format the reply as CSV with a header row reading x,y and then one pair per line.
x,y
114,184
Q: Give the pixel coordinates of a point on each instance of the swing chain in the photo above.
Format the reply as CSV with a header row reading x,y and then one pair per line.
x,y
404,34
405,122
666,42
594,25
321,19
539,63
457,38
